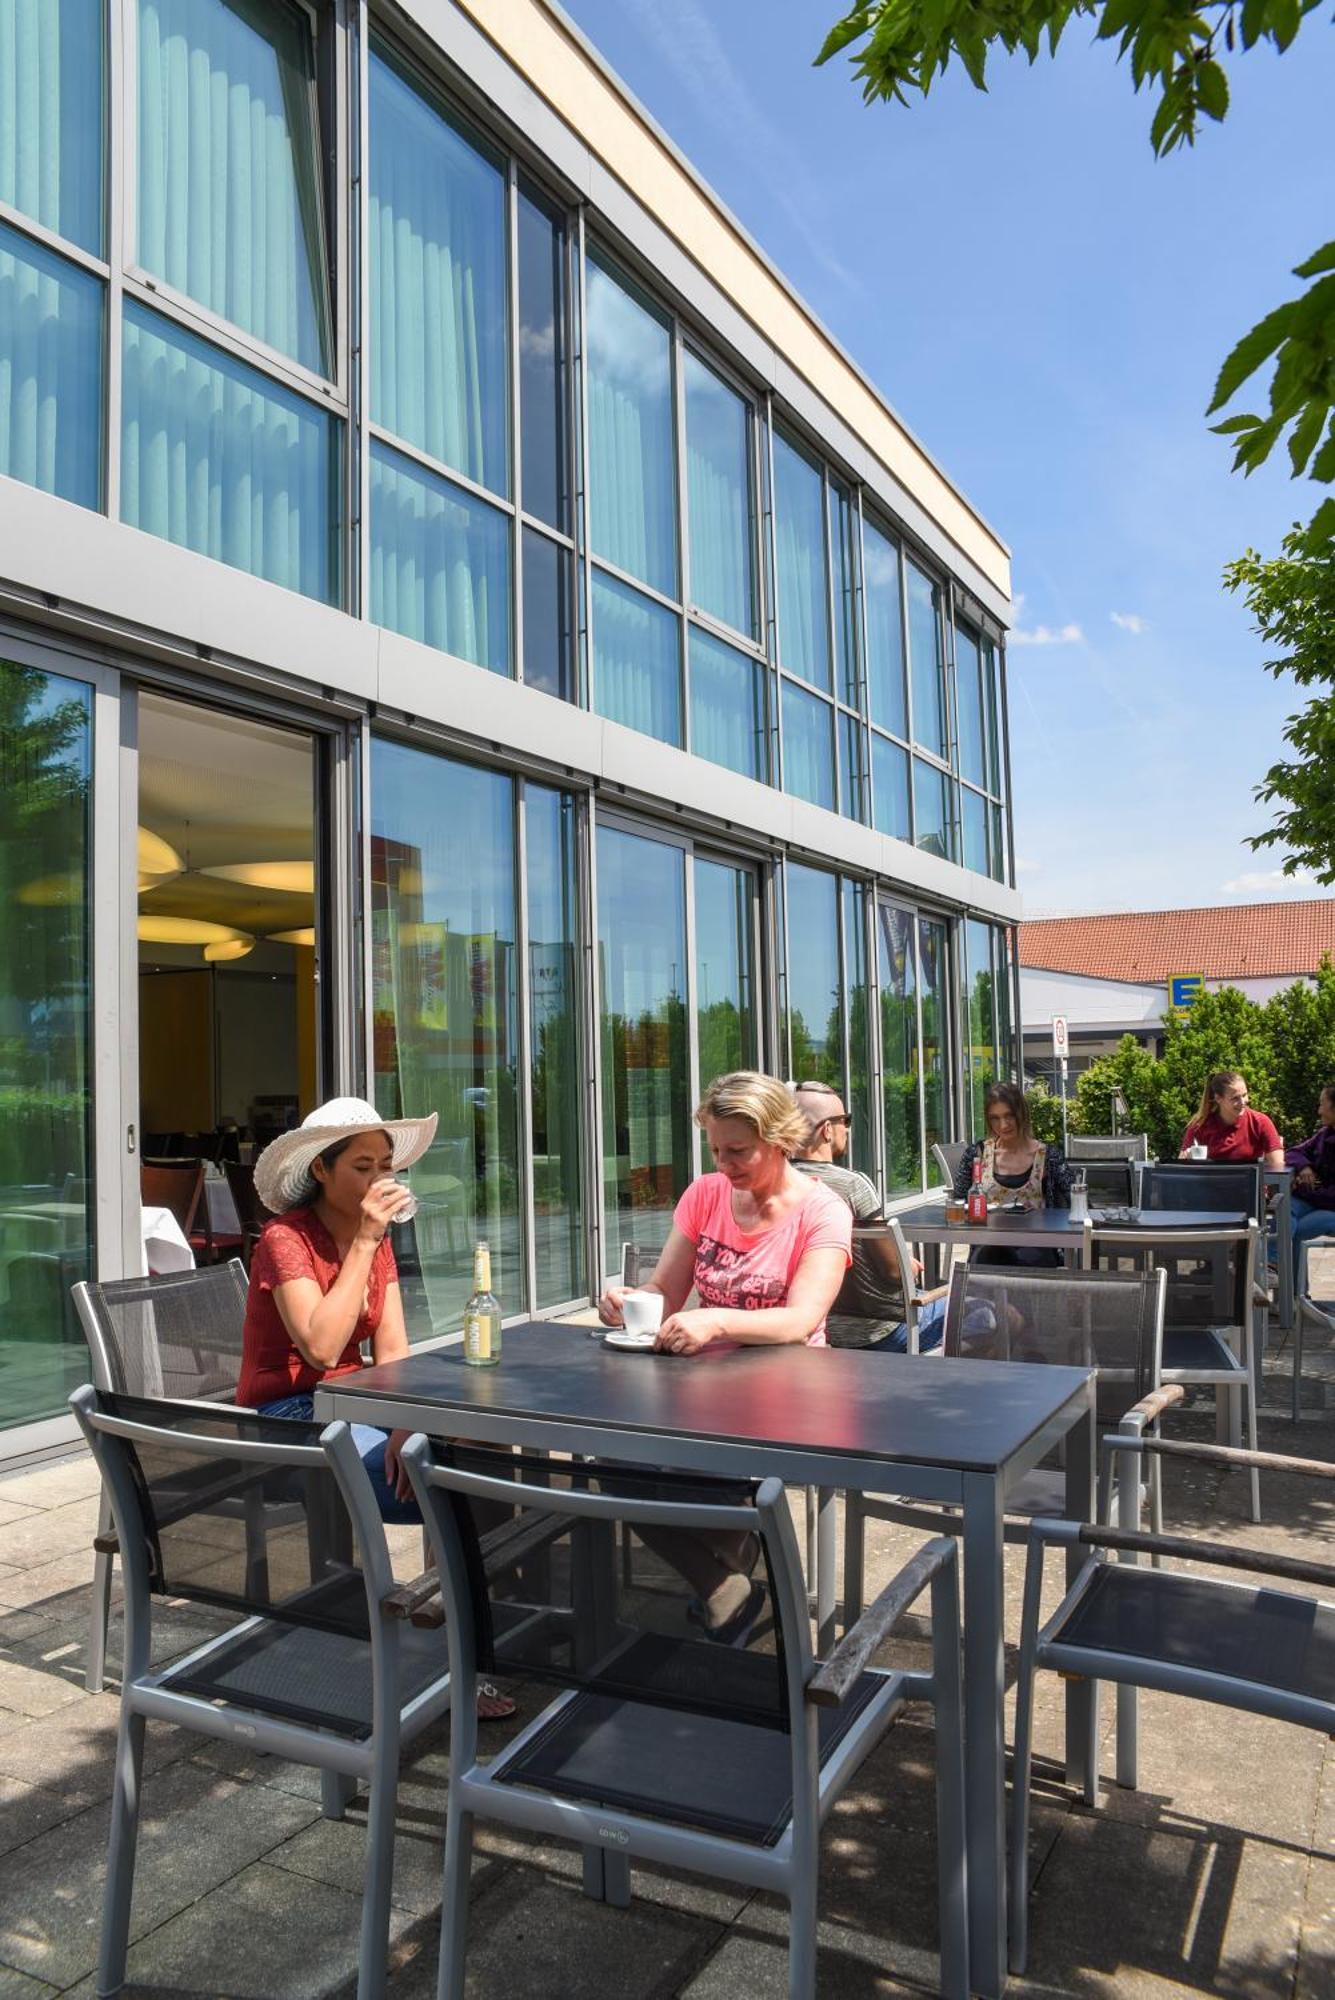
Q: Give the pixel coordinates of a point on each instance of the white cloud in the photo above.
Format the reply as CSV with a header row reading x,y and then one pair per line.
x,y
1024,866
1048,635
1268,882
1130,621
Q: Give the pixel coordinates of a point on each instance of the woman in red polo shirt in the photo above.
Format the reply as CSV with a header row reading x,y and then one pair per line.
x,y
1227,1126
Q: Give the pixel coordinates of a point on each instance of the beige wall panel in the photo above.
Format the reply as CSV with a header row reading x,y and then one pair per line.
x,y
539,47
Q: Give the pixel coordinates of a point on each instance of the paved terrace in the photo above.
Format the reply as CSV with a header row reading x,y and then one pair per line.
x,y
1217,1877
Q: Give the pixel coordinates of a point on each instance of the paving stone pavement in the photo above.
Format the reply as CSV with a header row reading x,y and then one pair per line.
x,y
1217,1876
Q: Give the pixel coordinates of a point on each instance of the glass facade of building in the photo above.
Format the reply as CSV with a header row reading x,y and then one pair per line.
x,y
274,291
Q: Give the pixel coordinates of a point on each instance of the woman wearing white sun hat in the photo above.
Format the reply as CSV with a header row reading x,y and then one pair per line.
x,y
323,1279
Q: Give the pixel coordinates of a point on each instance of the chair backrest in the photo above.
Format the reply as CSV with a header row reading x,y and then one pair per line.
x,y
242,1512
948,1153
1221,1185
1108,1320
530,1588
638,1262
174,1184
174,1335
1111,1183
1209,1273
250,1210
1108,1146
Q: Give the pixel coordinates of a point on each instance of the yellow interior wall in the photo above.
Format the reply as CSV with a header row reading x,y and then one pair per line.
x,y
176,1052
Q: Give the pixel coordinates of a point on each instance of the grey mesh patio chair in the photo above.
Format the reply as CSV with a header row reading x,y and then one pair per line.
x,y
660,1745
638,1261
1224,1186
1245,1645
1211,1311
1111,1321
176,1335
1107,1146
316,1669
1307,1307
948,1154
1108,1183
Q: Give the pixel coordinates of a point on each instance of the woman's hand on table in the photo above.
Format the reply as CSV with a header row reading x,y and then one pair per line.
x,y
688,1332
609,1305
1304,1178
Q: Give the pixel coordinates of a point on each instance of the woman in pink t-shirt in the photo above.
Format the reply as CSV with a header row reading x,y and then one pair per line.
x,y
765,1249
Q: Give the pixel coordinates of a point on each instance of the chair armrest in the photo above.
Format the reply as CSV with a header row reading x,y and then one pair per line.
x,y
1224,1454
834,1677
106,1544
410,1598
1151,1407
925,1298
1262,1562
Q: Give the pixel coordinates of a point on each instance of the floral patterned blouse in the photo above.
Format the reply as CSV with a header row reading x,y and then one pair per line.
x,y
1046,1185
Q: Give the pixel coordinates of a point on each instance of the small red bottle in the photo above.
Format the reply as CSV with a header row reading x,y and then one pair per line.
x,y
977,1198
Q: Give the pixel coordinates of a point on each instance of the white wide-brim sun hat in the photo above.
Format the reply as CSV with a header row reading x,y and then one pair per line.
x,y
283,1169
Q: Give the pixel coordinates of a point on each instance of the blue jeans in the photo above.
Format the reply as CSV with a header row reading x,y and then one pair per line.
x,y
931,1327
1309,1221
370,1445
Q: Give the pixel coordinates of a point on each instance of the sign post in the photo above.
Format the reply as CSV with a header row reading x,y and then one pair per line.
x,y
1061,1049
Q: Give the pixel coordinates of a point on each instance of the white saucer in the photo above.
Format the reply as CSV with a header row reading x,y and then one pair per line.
x,y
629,1343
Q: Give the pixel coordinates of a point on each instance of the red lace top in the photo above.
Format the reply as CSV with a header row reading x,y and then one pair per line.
x,y
297,1245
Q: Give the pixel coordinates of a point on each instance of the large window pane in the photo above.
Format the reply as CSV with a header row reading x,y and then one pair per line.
x,y
543,393
45,1021
861,1143
933,954
852,766
718,493
229,205
992,704
815,1024
969,706
636,671
980,1005
728,706
548,625
558,1108
799,530
973,818
50,372
642,1015
929,710
443,1000
51,114
217,457
808,746
439,345
632,462
843,535
899,1049
1000,860
885,631
931,810
440,562
727,1029
890,787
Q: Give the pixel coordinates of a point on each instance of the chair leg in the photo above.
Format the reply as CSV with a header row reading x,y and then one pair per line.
x,y
123,1838
802,1938
380,1822
454,1903
1254,1441
337,1792
96,1669
952,1898
854,1557
1021,1776
1299,1317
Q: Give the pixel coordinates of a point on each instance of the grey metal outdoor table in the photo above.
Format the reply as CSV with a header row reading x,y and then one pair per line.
x,y
951,1431
1005,1229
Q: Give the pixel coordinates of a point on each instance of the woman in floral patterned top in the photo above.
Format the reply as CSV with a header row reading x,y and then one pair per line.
x,y
1016,1167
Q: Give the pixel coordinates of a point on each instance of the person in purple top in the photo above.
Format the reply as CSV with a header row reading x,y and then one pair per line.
x,y
1314,1177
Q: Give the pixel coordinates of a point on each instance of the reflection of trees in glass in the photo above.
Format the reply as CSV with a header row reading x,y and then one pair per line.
x,y
722,1040
645,1078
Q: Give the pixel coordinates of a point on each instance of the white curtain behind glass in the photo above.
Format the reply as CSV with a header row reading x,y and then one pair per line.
x,y
439,350
440,563
636,678
229,207
50,371
216,458
632,474
804,644
51,114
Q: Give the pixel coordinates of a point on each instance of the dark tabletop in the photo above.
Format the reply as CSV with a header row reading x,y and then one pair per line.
x,y
1040,1221
970,1415
1151,1219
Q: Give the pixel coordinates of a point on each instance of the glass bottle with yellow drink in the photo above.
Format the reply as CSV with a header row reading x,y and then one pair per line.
x,y
482,1315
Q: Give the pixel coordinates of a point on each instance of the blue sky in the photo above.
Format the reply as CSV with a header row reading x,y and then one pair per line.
x,y
1046,306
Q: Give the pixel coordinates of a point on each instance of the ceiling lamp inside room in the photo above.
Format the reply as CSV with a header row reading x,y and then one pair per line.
x,y
228,949
306,937
188,930
158,860
296,878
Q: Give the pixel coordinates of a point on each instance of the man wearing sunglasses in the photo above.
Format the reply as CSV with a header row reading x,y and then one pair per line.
x,y
869,1311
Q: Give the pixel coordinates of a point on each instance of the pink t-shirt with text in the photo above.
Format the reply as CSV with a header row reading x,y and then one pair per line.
x,y
741,1271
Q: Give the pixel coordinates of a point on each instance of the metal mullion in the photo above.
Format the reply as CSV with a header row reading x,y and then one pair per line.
x,y
367,800
62,246
528,1223
845,1067
692,1007
432,465
728,634
875,1057
209,326
359,601
783,1017
580,493
683,547
921,1066
636,583
340,813
545,528
770,566
1003,720
591,1017
118,178
516,468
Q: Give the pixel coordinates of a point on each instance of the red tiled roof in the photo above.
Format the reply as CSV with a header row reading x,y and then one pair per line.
x,y
1243,941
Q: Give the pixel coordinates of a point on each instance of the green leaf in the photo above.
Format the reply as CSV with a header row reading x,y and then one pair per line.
x,y
851,29
1320,530
1212,90
1232,424
1323,465
1254,348
1253,21
1285,21
1305,435
1322,260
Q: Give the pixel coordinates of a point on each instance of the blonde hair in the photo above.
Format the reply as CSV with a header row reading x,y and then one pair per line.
x,y
763,1101
1216,1084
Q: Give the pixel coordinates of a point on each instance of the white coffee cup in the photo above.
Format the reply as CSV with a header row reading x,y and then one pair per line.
x,y
1198,1152
642,1312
